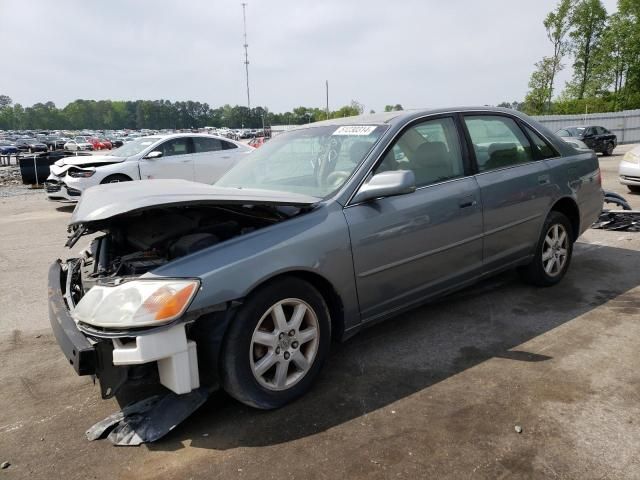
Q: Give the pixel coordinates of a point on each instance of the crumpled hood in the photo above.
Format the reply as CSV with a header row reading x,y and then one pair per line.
x,y
106,201
82,161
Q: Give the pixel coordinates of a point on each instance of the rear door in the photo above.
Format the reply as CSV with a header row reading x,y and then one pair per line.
x,y
176,161
515,187
412,246
213,157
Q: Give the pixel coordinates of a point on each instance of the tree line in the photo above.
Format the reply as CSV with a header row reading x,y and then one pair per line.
x,y
603,51
156,114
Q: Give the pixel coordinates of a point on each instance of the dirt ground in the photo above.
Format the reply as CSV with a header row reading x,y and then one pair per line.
x,y
436,393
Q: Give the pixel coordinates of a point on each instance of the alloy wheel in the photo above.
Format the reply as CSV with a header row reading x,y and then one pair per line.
x,y
284,344
555,250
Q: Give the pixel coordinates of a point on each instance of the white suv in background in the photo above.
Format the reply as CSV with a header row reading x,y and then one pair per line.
x,y
197,157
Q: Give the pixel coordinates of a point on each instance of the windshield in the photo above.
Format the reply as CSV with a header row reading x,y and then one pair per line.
x,y
133,147
312,161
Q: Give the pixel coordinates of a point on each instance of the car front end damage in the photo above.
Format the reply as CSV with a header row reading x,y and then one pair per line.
x,y
133,329
70,176
113,355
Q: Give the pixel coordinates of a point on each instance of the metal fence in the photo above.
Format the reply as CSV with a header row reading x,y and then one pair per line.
x,y
625,124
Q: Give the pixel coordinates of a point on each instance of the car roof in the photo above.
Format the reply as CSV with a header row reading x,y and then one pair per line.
x,y
404,116
165,136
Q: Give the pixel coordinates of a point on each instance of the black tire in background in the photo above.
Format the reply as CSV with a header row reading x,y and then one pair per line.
x,y
634,188
608,149
534,273
236,371
116,178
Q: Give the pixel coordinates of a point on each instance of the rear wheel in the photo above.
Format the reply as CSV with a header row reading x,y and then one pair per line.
x,y
553,252
276,344
608,149
117,178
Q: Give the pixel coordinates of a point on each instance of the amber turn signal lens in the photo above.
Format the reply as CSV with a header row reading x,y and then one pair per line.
x,y
166,303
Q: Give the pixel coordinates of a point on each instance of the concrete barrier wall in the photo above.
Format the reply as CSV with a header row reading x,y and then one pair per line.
x,y
625,124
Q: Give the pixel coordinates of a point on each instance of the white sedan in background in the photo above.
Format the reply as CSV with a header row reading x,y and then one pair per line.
x,y
629,170
196,157
76,145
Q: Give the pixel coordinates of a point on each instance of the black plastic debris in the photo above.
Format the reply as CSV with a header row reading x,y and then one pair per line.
x,y
626,219
148,420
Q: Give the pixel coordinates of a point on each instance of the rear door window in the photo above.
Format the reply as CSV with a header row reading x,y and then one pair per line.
x,y
203,144
498,142
228,145
543,149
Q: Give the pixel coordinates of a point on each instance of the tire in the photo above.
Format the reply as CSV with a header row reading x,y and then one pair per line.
x,y
242,354
634,188
116,178
535,272
608,149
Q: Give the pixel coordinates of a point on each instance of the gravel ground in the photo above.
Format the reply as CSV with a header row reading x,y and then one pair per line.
x,y
11,182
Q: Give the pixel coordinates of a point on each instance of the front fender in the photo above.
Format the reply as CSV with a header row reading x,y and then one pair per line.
x,y
317,241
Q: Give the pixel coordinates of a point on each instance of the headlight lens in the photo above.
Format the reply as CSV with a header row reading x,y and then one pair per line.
x,y
76,173
139,303
631,157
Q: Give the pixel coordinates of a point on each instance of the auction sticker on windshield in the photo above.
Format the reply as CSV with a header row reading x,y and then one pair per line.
x,y
354,130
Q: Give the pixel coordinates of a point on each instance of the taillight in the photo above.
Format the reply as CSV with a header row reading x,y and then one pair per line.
x,y
599,177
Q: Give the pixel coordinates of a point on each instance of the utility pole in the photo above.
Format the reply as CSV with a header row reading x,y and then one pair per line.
x,y
246,52
327,88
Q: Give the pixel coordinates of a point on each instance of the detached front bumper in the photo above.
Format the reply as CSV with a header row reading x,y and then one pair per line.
x,y
109,358
57,189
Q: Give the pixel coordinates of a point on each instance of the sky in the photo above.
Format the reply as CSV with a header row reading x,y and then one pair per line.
x,y
417,53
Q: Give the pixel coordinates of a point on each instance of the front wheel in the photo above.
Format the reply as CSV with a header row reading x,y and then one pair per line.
x,y
276,344
553,252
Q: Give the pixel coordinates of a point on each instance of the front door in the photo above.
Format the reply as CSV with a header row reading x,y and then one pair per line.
x,y
410,247
176,161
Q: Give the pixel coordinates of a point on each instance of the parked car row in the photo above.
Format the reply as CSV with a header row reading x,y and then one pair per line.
x,y
34,141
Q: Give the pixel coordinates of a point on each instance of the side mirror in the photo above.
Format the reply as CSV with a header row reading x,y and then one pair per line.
x,y
386,184
154,154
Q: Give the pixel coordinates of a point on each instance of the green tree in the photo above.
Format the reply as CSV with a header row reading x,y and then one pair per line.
x,y
588,21
5,101
557,23
539,86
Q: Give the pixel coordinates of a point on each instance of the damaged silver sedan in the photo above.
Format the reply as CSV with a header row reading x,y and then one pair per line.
x,y
242,285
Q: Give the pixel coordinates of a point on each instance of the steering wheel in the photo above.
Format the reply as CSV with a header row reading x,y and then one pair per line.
x,y
335,179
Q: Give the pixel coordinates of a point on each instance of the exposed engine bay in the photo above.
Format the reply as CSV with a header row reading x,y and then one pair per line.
x,y
136,243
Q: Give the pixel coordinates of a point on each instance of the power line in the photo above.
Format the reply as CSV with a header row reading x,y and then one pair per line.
x,y
246,52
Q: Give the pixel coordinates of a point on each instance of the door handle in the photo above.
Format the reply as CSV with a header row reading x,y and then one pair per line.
x,y
185,161
467,202
544,180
